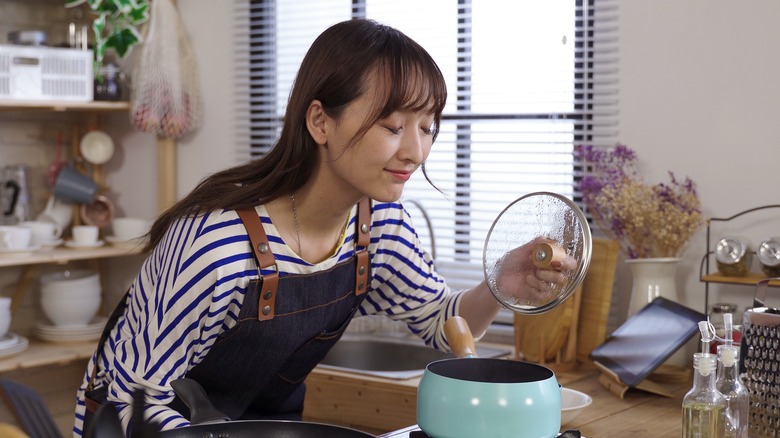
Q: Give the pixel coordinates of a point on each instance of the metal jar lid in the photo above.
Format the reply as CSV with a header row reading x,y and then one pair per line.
x,y
722,308
769,252
730,250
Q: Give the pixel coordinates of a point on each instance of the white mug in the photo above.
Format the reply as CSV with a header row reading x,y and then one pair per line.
x,y
43,232
15,237
85,234
57,212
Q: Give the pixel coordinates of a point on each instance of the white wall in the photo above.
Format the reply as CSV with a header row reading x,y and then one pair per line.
x,y
699,96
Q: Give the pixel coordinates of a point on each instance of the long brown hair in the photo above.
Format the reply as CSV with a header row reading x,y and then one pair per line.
x,y
334,71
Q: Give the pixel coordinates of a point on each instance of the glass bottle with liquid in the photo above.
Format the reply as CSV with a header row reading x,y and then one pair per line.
x,y
730,385
703,406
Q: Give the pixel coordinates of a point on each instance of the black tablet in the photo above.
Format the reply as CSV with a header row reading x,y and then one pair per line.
x,y
647,339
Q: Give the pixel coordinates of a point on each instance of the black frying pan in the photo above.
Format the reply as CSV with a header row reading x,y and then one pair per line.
x,y
207,421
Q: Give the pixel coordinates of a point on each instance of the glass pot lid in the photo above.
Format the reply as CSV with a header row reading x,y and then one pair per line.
x,y
539,231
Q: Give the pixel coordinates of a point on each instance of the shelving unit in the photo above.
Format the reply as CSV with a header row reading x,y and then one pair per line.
x,y
41,353
705,274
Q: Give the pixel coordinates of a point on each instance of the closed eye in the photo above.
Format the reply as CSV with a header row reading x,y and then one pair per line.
x,y
427,131
395,131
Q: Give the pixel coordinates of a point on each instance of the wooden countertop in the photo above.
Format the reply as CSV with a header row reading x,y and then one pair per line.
x,y
638,414
379,405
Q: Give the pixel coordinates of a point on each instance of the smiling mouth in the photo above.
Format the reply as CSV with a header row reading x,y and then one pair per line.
x,y
401,175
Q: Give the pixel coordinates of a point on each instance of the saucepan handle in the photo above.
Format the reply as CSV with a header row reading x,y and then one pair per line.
x,y
194,396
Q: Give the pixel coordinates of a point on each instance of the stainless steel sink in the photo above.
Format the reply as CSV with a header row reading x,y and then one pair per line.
x,y
388,357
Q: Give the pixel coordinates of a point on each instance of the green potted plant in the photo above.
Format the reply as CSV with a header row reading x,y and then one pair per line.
x,y
115,25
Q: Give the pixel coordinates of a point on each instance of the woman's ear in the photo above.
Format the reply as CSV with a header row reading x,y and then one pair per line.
x,y
315,122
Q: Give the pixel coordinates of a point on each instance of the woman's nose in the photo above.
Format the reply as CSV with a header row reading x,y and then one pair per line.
x,y
413,148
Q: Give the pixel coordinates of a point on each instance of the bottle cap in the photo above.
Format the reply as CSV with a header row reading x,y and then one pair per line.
x,y
728,354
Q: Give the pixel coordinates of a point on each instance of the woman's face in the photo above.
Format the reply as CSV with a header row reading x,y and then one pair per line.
x,y
381,161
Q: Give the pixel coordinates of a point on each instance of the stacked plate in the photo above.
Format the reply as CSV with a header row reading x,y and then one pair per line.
x,y
12,343
59,333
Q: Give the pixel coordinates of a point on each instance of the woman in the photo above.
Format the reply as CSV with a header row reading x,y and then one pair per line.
x,y
362,117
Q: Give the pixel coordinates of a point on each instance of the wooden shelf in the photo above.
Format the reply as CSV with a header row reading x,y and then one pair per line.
x,y
41,353
65,255
17,105
751,279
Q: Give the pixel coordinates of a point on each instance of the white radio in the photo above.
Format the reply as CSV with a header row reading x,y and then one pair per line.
x,y
45,73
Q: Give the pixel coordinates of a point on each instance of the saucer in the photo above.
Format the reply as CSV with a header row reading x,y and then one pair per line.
x,y
130,243
14,344
19,252
51,244
74,245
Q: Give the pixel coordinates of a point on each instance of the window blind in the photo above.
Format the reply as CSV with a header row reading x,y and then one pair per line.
x,y
527,80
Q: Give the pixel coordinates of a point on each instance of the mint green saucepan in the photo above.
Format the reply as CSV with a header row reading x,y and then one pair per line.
x,y
469,396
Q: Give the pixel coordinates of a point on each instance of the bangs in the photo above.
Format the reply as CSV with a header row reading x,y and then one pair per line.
x,y
408,86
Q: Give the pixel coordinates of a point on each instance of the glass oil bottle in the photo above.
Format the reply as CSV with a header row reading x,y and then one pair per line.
x,y
703,406
730,385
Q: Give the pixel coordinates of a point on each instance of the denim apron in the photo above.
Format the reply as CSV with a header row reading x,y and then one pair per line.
x,y
285,327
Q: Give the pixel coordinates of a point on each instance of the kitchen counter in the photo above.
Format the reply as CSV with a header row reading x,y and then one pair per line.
x,y
379,406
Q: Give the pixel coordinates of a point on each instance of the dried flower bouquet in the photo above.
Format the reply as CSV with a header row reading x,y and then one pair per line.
x,y
649,221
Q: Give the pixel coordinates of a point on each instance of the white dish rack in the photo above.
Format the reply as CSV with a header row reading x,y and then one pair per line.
x,y
45,74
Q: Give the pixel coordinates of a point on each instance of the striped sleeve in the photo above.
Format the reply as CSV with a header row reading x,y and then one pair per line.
x,y
405,285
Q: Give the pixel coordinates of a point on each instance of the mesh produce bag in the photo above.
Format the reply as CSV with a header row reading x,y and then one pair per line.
x,y
165,98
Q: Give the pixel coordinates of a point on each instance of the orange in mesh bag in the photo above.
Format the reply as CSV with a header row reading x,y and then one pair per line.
x,y
166,99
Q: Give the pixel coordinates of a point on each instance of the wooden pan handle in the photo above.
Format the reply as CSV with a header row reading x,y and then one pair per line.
x,y
545,254
460,338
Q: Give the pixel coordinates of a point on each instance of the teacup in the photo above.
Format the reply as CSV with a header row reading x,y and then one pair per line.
x,y
43,232
85,234
127,228
15,237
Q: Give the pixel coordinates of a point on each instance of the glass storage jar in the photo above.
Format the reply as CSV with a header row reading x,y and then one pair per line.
x,y
733,256
769,256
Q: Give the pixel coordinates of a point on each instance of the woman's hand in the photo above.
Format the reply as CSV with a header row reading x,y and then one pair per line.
x,y
517,279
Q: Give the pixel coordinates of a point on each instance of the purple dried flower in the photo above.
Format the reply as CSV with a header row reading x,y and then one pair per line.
x,y
648,221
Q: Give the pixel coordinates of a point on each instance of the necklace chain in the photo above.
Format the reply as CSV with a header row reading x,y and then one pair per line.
x,y
297,225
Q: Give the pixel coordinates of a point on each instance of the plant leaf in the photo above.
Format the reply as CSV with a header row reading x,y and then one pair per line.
x,y
139,14
73,3
96,5
99,26
122,41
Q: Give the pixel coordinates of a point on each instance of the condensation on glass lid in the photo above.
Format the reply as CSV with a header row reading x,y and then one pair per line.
x,y
521,227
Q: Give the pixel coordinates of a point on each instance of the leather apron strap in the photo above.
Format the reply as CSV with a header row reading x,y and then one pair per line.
x,y
363,238
265,260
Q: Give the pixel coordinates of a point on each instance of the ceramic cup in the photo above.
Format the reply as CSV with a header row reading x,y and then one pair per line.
x,y
85,234
127,228
75,187
56,212
15,237
43,232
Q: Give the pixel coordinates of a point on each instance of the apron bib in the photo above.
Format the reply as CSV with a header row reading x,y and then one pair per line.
x,y
285,327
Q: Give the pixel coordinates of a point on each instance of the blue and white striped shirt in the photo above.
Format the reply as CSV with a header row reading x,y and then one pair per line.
x,y
190,289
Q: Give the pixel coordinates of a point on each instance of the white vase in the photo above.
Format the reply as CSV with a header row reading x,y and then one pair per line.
x,y
651,278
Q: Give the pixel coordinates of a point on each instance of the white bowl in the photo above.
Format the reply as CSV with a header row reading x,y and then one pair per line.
x,y
70,312
74,282
572,404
